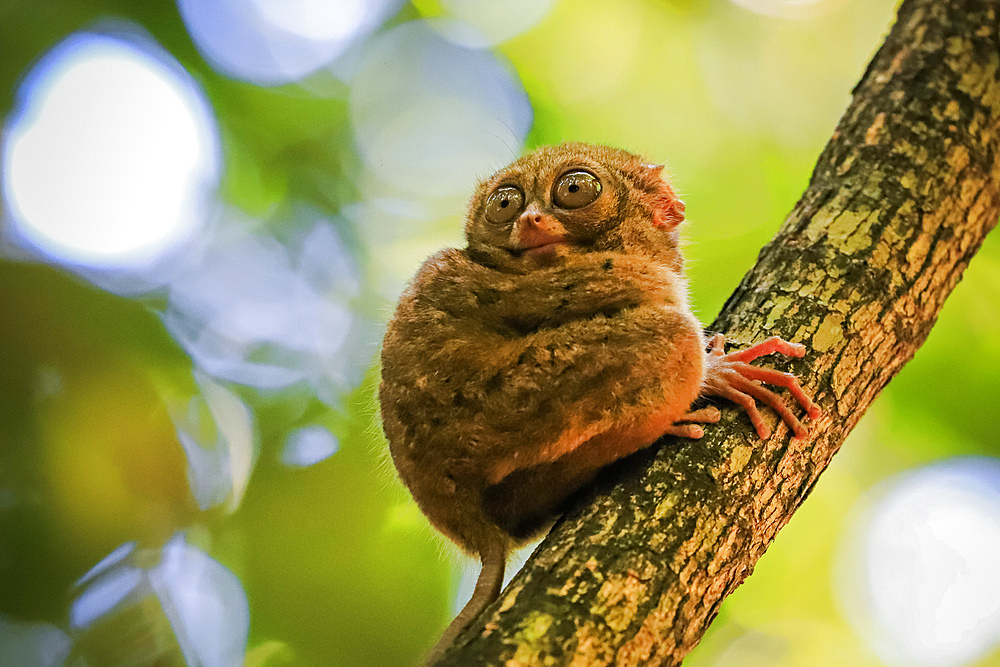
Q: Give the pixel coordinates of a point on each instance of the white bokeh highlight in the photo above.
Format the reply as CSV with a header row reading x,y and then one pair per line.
x,y
32,643
202,602
268,314
919,571
216,430
308,446
789,9
273,42
111,158
429,116
482,23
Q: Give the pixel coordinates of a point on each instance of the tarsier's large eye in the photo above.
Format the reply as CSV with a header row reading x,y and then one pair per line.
x,y
504,204
576,189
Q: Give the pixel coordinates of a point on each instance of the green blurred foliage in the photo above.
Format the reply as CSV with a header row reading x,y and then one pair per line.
x,y
338,565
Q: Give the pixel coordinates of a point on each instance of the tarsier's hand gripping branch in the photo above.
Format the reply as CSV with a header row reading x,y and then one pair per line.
x,y
732,377
558,341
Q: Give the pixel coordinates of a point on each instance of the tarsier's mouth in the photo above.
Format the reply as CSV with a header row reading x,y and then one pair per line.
x,y
543,248
542,251
536,244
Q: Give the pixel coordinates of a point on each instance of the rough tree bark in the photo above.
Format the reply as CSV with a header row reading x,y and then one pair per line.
x,y
900,200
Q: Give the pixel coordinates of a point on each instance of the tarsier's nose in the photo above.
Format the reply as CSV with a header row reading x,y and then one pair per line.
x,y
532,222
532,217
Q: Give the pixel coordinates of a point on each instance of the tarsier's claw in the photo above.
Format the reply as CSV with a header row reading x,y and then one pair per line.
x,y
732,377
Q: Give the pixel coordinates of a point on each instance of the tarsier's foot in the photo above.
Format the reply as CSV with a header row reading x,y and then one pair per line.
x,y
709,415
732,377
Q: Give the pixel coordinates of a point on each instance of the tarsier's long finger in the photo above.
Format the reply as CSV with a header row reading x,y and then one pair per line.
x,y
685,431
786,380
768,397
769,346
745,401
709,415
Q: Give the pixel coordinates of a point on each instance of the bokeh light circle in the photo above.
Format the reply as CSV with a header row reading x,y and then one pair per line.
x,y
273,42
216,430
112,156
259,312
171,603
430,116
919,576
32,643
789,9
308,446
481,23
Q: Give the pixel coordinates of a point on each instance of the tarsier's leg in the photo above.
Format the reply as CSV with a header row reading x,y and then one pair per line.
x,y
732,378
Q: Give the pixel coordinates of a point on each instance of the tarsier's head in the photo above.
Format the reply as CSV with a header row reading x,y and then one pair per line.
x,y
570,199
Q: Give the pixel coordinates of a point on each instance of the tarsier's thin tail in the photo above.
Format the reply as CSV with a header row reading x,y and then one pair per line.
x,y
487,590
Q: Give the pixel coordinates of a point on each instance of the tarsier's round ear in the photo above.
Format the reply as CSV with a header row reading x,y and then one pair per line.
x,y
668,210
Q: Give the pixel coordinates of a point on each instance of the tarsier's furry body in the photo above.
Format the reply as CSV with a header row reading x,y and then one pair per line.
x,y
559,340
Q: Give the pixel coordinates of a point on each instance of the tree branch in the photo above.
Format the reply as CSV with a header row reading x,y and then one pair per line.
x,y
900,200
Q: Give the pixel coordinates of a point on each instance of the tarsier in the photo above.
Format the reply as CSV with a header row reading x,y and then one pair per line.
x,y
558,341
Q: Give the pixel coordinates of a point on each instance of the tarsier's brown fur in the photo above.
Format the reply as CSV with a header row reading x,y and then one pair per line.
x,y
552,345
